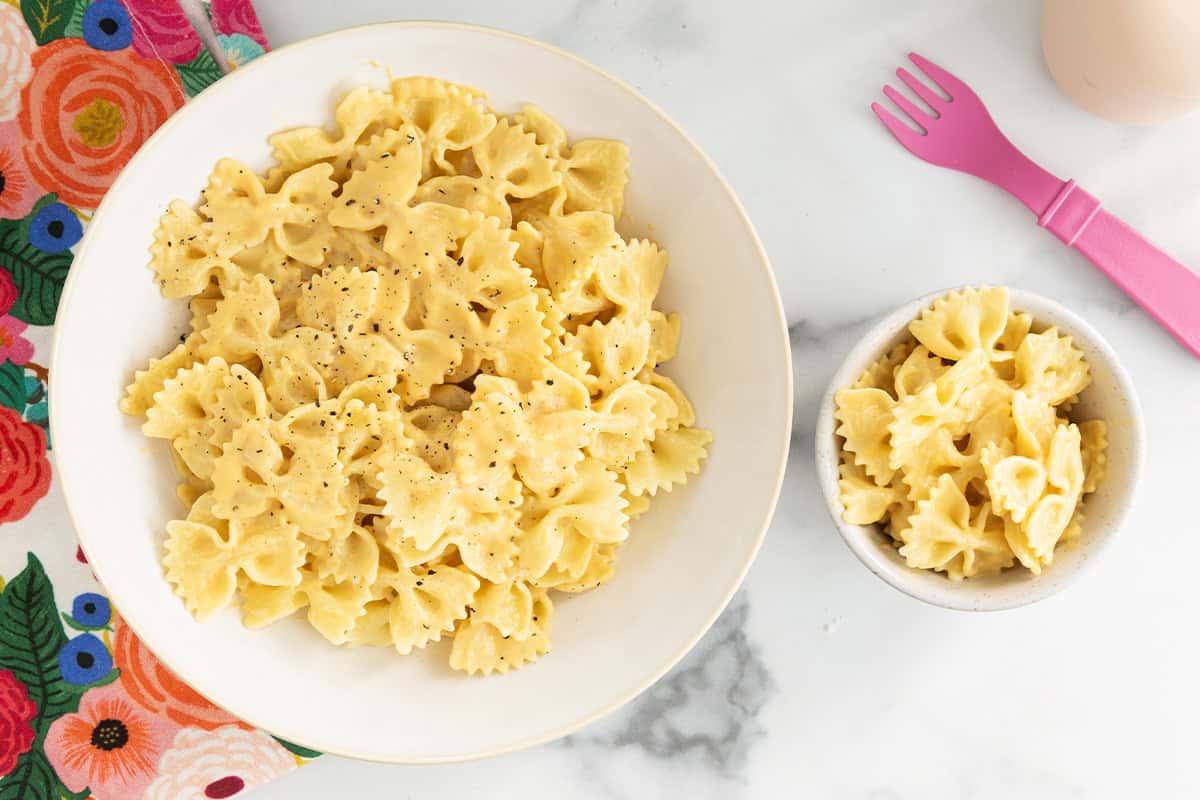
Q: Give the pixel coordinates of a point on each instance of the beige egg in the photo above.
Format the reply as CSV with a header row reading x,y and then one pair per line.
x,y
1130,61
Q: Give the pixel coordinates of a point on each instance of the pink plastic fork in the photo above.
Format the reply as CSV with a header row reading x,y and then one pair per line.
x,y
961,135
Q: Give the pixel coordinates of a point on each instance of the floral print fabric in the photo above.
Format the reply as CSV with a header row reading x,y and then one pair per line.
x,y
87,111
86,711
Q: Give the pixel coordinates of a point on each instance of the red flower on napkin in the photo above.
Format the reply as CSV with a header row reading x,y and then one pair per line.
x,y
24,470
8,291
16,711
87,111
162,30
237,16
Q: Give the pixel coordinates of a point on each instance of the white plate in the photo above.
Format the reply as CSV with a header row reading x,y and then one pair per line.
x,y
685,558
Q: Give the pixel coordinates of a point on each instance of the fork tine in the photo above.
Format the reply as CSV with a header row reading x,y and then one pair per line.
x,y
943,79
904,134
915,113
920,89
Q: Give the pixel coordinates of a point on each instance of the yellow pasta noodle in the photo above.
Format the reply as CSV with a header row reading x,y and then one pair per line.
x,y
958,441
421,392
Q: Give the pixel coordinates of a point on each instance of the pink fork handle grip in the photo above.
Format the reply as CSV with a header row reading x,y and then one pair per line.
x,y
1168,290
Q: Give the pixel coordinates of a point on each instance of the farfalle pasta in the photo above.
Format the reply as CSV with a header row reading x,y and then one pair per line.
x,y
420,392
958,442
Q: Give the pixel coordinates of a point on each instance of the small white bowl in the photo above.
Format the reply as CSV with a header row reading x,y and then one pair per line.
x,y
1111,397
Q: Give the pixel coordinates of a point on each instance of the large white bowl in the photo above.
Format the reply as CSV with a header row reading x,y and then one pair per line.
x,y
1111,396
685,558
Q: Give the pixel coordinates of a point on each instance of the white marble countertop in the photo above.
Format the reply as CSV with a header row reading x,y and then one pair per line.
x,y
820,680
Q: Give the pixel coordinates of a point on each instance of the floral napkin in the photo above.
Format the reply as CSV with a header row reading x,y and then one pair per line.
x,y
85,709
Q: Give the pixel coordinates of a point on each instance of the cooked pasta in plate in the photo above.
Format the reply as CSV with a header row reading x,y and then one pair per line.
x,y
421,389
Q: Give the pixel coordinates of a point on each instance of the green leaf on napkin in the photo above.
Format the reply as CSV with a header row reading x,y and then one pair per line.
x,y
74,28
110,677
47,19
303,752
31,637
39,276
12,386
31,777
199,73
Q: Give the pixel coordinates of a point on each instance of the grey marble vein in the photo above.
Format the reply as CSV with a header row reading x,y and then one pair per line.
x,y
705,712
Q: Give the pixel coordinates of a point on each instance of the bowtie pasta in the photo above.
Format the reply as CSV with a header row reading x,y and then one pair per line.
x,y
420,389
959,442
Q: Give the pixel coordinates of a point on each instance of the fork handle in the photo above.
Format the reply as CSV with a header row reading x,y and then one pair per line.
x,y
1168,290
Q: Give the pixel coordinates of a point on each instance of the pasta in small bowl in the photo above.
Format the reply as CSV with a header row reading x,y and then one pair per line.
x,y
979,447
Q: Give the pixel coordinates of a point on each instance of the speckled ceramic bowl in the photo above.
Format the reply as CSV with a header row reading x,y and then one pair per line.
x,y
1111,397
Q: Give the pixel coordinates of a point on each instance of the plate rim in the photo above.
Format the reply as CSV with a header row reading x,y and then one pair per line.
x,y
763,262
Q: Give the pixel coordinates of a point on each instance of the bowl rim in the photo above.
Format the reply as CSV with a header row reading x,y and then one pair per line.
x,y
961,596
193,106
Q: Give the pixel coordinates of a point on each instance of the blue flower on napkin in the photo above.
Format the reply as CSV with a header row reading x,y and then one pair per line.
x,y
106,26
84,660
54,228
89,611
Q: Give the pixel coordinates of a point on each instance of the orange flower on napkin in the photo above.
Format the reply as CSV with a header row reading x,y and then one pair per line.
x,y
111,746
156,688
85,113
